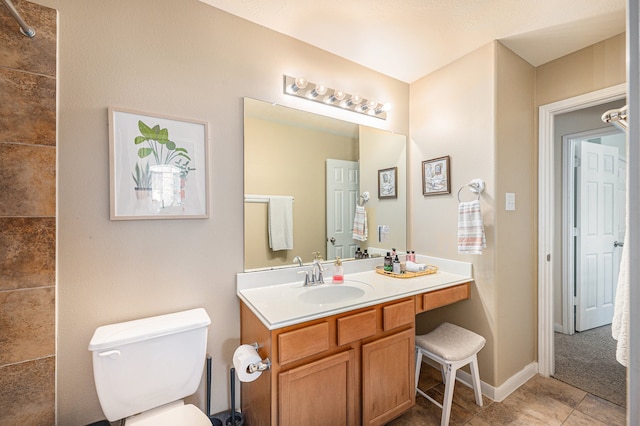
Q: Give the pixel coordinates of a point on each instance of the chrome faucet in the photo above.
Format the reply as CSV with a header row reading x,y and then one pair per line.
x,y
314,276
316,272
297,260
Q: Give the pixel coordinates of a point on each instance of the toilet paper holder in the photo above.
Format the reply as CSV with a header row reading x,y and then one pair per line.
x,y
262,365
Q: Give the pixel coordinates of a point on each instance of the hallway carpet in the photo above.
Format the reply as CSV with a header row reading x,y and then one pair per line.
x,y
587,360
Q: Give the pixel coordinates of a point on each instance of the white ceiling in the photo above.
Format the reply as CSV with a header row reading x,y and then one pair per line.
x,y
408,39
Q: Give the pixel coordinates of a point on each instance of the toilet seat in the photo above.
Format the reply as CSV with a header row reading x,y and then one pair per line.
x,y
175,413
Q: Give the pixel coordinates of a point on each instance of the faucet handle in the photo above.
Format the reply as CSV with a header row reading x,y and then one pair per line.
x,y
306,276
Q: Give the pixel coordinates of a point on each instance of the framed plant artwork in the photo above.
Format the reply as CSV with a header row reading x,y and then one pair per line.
x,y
158,166
436,176
387,183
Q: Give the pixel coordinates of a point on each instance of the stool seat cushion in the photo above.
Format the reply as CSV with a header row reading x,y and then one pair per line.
x,y
450,342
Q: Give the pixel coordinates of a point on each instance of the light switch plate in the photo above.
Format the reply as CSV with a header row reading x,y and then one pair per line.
x,y
510,201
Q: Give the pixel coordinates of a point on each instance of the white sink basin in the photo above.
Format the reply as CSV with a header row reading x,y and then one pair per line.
x,y
325,294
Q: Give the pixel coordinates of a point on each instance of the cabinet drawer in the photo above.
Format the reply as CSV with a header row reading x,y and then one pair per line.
x,y
446,296
356,327
398,314
304,342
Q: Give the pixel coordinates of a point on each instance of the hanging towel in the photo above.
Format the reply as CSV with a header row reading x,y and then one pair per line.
x,y
360,232
280,223
471,239
620,323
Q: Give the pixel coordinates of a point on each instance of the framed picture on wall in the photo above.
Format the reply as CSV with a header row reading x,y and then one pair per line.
x,y
436,176
158,166
388,183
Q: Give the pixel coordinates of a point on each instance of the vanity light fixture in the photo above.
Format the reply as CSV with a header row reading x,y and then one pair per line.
x,y
338,98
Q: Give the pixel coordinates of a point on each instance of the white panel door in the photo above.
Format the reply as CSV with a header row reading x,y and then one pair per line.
x,y
342,194
596,268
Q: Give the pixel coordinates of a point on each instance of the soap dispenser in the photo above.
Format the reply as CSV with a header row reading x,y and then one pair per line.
x,y
338,271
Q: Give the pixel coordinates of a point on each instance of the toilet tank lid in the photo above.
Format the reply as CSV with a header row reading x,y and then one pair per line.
x,y
113,335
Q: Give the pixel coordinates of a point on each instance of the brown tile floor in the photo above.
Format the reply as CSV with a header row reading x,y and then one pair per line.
x,y
540,401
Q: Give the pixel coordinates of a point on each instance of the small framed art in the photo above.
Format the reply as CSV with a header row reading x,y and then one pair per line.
x,y
436,176
388,183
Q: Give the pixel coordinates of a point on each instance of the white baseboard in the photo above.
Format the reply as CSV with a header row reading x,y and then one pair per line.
x,y
504,390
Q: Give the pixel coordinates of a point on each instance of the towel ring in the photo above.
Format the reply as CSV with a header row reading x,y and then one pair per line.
x,y
476,186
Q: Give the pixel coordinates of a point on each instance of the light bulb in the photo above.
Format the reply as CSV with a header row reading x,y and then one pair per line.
x,y
336,96
319,90
298,83
355,100
386,107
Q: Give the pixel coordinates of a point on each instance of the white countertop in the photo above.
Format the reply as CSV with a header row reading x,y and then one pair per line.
x,y
275,297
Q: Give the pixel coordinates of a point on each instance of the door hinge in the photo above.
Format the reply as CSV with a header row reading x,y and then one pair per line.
x,y
576,161
575,232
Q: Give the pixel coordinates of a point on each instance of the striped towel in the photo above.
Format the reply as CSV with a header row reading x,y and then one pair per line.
x,y
360,232
471,238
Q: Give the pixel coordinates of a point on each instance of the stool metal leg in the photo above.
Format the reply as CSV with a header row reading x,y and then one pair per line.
x,y
475,377
448,394
418,366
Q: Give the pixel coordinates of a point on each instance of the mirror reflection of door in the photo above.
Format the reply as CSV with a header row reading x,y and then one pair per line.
x,y
342,195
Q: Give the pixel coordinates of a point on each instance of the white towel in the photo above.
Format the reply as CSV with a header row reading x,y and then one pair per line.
x,y
280,223
620,323
360,232
471,239
415,267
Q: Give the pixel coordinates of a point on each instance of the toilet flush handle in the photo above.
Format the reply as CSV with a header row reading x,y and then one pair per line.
x,y
115,354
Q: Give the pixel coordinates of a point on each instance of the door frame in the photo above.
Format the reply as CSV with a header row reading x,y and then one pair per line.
x,y
546,208
568,223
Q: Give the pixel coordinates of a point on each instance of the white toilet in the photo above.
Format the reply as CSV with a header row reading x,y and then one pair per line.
x,y
143,368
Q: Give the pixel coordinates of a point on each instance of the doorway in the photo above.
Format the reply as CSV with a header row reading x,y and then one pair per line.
x,y
548,254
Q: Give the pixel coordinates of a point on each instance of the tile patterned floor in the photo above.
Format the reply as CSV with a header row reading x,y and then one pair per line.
x,y
540,401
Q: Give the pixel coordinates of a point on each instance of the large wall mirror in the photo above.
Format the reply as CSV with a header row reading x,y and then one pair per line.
x,y
325,166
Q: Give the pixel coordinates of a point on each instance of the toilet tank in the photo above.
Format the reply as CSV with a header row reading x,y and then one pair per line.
x,y
146,363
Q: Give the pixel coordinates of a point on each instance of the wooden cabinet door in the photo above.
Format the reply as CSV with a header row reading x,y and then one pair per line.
x,y
388,387
319,393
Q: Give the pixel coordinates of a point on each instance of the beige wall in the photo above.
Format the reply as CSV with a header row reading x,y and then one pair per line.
x,y
27,218
516,235
183,59
479,111
453,113
382,150
592,68
288,160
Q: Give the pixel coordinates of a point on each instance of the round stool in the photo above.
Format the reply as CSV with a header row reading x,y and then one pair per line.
x,y
452,347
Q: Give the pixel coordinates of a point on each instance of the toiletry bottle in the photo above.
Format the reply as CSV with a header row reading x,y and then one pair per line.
x,y
413,256
393,253
358,254
365,255
388,262
338,271
408,256
396,265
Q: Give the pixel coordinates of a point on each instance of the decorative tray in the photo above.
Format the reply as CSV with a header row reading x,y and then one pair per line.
x,y
406,274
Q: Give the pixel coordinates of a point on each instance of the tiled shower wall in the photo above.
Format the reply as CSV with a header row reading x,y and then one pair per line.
x,y
27,217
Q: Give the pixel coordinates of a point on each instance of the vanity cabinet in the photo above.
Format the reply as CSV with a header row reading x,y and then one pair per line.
x,y
348,369
353,368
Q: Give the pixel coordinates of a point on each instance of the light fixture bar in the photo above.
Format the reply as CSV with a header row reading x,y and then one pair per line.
x,y
317,92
